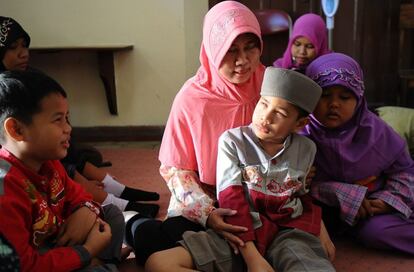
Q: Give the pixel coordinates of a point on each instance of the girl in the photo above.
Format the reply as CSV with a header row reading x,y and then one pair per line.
x,y
363,168
307,42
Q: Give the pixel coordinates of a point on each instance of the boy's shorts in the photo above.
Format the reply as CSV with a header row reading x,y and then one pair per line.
x,y
291,250
210,252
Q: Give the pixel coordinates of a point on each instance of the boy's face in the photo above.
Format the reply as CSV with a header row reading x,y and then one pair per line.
x,y
16,56
47,137
274,119
336,106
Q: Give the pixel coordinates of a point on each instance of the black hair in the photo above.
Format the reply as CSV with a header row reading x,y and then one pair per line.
x,y
301,112
21,93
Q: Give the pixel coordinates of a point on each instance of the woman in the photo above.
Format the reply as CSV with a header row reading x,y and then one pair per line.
x,y
307,42
14,55
221,95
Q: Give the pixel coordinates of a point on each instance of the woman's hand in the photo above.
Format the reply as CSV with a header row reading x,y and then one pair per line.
x,y
216,222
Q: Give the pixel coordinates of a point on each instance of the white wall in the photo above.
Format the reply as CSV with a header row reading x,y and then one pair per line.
x,y
166,36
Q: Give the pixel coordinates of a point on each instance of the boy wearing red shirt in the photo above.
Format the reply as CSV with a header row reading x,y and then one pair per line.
x,y
49,219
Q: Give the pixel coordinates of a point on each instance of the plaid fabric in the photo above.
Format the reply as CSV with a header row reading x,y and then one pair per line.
x,y
398,192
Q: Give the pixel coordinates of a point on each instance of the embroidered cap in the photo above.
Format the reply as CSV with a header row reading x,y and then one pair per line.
x,y
10,31
292,86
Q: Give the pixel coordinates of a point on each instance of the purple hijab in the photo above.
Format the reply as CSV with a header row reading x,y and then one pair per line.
x,y
313,28
365,146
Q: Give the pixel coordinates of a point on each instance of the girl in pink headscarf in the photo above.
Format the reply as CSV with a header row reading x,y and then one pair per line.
x,y
307,42
221,95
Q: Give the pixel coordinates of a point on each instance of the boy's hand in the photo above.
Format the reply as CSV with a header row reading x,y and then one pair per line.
x,y
327,243
76,228
98,238
216,222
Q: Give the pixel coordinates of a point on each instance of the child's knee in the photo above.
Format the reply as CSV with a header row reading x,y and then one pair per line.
x,y
113,216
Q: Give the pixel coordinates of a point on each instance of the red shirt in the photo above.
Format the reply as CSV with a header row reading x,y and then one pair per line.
x,y
32,209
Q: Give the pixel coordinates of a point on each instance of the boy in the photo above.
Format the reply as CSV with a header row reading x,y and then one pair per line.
x,y
261,173
49,219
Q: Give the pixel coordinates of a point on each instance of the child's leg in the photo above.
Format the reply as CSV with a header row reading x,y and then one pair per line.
x,y
294,250
116,188
113,216
149,236
173,259
104,198
388,231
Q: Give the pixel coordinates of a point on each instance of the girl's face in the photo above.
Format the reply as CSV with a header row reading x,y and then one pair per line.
x,y
303,51
336,106
242,59
16,56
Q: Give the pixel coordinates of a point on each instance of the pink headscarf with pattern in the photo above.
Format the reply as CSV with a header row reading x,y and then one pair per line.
x,y
312,27
208,104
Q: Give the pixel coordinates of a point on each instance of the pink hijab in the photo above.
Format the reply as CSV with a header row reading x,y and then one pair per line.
x,y
313,28
207,104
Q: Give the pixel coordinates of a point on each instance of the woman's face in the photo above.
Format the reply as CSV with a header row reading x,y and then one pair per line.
x,y
242,59
335,107
303,52
17,55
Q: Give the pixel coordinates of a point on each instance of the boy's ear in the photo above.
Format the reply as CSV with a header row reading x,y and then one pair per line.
x,y
14,129
301,123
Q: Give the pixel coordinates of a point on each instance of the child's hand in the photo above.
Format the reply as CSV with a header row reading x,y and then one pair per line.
x,y
379,207
365,210
76,228
327,243
99,237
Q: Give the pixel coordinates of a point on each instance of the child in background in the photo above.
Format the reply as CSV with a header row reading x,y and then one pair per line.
x,y
261,173
14,55
49,219
307,41
364,174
